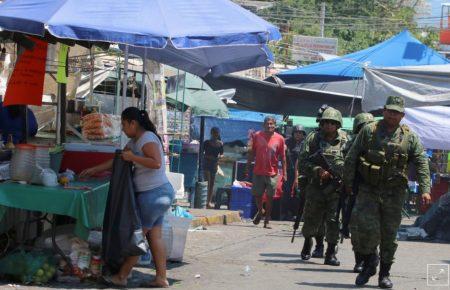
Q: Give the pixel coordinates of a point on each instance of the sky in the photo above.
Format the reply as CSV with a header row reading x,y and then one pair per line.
x,y
435,10
436,6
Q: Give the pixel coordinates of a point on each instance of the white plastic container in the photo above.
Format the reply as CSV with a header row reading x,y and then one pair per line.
x,y
42,156
23,163
167,235
179,227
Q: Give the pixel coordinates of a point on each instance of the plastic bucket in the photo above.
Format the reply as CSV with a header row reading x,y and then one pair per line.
x,y
23,163
42,156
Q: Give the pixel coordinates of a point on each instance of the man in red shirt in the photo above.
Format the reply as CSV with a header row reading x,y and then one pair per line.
x,y
267,149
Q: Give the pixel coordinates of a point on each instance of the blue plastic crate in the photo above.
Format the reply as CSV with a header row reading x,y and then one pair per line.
x,y
248,210
241,195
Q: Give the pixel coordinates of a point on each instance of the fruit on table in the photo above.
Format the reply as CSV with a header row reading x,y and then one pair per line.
x,y
63,180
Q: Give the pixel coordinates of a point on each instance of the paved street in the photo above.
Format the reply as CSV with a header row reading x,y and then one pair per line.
x,y
221,254
216,258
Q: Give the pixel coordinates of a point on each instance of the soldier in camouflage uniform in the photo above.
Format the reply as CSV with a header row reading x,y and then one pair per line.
x,y
360,121
320,236
380,154
322,196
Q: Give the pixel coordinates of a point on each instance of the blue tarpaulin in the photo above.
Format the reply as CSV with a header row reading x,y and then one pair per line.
x,y
236,128
218,60
244,115
400,50
195,35
230,129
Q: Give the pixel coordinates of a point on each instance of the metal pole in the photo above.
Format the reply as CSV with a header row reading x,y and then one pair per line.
x,y
322,19
144,76
176,98
58,116
61,115
125,79
124,92
175,116
182,118
91,80
200,153
117,97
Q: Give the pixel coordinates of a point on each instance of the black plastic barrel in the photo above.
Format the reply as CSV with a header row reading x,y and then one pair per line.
x,y
201,194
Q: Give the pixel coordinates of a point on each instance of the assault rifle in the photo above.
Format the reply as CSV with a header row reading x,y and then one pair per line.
x,y
335,180
346,215
347,212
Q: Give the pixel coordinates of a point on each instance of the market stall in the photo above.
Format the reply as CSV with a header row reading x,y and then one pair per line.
x,y
241,45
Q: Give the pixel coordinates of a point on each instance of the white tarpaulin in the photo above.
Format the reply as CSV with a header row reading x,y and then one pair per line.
x,y
427,85
432,124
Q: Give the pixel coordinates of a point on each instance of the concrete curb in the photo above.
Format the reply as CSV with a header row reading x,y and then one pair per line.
x,y
217,219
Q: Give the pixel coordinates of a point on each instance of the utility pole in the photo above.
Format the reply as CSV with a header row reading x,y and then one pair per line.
x,y
322,19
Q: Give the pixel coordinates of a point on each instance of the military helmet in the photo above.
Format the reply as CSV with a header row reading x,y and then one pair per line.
x,y
320,112
332,114
298,128
361,119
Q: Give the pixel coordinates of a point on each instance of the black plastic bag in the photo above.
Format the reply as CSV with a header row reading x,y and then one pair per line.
x,y
122,230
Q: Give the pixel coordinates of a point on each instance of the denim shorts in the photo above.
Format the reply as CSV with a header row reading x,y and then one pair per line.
x,y
153,204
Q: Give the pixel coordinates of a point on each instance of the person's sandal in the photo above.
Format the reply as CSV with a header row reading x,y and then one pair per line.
x,y
266,225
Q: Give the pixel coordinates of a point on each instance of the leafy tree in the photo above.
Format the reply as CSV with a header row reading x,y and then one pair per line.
x,y
357,24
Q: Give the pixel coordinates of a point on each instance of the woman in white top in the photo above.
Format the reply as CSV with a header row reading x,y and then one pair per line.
x,y
154,194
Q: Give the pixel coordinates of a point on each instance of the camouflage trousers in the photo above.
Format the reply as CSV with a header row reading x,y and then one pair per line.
x,y
375,220
320,214
322,226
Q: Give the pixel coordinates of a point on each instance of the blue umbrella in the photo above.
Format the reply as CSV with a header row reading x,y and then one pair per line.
x,y
171,26
217,60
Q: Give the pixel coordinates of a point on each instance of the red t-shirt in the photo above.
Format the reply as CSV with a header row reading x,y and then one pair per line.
x,y
267,151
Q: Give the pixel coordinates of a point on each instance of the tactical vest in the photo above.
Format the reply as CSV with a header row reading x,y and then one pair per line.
x,y
332,152
385,164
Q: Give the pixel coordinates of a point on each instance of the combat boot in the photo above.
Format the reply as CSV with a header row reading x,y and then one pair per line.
x,y
318,251
370,263
330,256
306,251
383,278
359,261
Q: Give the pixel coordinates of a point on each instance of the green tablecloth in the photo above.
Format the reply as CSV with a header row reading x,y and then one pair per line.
x,y
86,206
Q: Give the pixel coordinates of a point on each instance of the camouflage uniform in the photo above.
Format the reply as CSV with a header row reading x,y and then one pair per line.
x,y
358,123
321,201
302,170
381,158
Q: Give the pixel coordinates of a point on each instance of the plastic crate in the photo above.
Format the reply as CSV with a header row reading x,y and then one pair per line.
x,y
241,195
248,210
